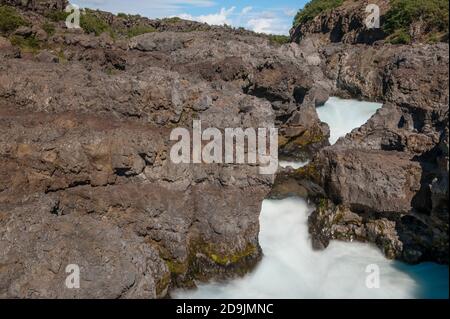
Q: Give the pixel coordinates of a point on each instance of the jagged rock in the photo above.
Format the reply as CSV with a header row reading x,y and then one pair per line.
x,y
37,5
104,161
346,24
387,168
46,57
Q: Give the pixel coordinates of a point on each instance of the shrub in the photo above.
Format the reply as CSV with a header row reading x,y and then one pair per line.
x,y
57,15
10,20
314,8
28,44
434,14
139,29
49,28
400,36
90,23
279,39
172,20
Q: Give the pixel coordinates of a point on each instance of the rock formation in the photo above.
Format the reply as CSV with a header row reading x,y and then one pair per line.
x,y
386,182
86,177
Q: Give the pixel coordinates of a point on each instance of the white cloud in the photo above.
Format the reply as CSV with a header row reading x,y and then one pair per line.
x,y
272,20
290,12
246,10
152,8
220,18
268,22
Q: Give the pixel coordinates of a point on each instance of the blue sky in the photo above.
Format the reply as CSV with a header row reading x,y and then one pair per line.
x,y
267,16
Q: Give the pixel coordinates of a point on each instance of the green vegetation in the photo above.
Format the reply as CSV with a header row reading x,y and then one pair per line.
x,y
49,28
433,13
10,19
138,30
122,15
27,44
400,36
57,15
91,23
172,20
279,39
314,8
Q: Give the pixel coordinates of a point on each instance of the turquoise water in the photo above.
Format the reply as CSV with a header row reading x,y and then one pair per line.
x,y
345,115
290,267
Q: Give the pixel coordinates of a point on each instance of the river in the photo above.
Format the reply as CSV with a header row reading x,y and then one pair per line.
x,y
290,267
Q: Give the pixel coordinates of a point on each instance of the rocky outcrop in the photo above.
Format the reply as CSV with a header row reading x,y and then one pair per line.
x,y
385,182
344,24
86,175
41,6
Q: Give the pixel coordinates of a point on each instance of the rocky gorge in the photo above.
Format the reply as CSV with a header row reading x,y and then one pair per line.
x,y
86,114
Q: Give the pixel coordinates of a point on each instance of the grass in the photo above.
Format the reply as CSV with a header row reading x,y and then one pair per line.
x,y
138,30
172,20
57,15
10,19
49,28
313,8
90,23
400,36
27,44
279,39
433,13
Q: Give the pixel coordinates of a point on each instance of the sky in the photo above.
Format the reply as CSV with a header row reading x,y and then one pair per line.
x,y
265,16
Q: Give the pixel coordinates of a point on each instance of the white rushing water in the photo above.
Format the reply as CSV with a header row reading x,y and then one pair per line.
x,y
294,165
290,267
345,115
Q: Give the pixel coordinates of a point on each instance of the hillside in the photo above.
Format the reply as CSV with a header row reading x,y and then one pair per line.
x,y
401,21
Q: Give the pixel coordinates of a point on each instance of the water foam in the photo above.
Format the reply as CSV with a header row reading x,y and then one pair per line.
x,y
345,115
292,269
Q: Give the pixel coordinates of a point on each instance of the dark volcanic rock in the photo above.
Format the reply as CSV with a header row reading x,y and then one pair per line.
x,y
86,176
346,24
394,169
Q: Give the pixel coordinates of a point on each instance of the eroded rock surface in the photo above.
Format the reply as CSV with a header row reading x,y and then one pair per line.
x,y
386,181
85,174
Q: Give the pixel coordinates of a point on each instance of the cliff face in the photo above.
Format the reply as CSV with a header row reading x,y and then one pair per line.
x,y
85,173
386,182
346,24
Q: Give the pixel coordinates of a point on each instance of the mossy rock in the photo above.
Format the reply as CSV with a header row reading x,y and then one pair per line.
x,y
309,172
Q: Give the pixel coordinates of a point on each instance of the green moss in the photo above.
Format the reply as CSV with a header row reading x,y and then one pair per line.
x,y
309,137
403,13
10,19
139,29
162,284
313,8
309,171
176,267
227,259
